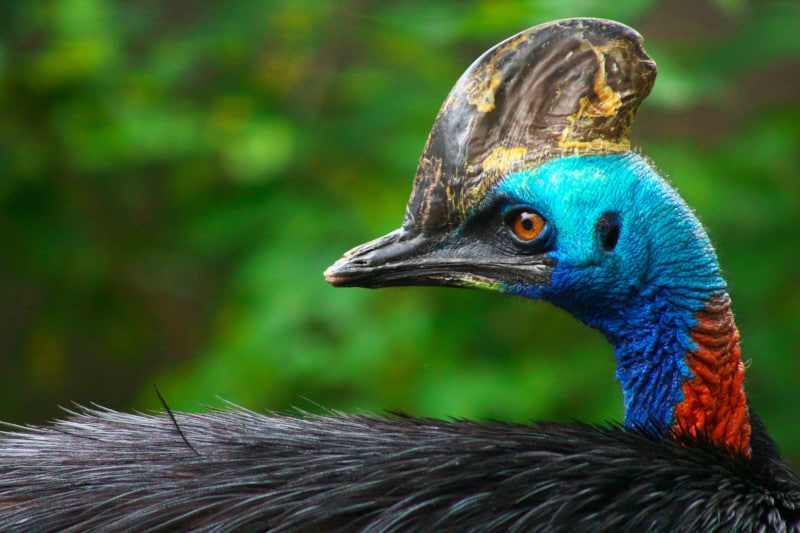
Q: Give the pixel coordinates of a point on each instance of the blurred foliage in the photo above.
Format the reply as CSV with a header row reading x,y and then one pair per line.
x,y
176,176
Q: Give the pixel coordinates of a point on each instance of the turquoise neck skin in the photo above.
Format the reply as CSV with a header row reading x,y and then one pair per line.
x,y
643,294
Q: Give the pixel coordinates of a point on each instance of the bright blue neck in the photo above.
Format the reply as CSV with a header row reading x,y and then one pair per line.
x,y
650,345
645,293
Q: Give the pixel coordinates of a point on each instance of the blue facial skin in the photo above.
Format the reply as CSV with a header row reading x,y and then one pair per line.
x,y
643,292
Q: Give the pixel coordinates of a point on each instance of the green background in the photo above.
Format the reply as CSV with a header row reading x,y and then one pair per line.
x,y
176,175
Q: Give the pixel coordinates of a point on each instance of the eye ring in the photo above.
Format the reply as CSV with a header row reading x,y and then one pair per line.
x,y
526,224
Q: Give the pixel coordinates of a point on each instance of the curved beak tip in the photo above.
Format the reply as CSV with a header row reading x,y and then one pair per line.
x,y
358,265
334,273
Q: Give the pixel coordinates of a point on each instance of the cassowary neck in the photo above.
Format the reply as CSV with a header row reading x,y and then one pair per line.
x,y
682,368
659,297
657,293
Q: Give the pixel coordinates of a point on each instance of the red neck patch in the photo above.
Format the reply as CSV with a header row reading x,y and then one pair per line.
x,y
714,401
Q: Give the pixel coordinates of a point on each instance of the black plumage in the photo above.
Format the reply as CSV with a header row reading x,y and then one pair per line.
x,y
110,471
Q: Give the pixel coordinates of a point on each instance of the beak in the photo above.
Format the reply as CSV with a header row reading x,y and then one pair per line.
x,y
403,258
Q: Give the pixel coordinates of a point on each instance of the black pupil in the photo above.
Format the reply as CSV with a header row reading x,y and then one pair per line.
x,y
527,224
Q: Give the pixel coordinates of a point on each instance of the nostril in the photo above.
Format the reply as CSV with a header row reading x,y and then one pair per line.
x,y
608,229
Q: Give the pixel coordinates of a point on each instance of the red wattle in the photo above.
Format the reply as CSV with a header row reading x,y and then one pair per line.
x,y
714,400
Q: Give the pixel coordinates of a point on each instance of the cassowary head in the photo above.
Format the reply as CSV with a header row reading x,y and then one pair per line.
x,y
528,185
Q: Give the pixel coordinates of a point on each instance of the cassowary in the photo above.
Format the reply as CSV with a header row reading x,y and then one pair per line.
x,y
527,185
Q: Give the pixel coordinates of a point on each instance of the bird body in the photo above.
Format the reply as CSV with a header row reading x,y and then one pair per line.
x,y
527,185
107,471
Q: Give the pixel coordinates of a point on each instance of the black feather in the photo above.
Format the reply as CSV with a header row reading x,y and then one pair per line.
x,y
110,471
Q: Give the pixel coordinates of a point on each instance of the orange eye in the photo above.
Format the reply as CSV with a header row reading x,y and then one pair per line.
x,y
526,225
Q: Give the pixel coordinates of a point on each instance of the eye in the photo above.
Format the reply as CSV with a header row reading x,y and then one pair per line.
x,y
526,224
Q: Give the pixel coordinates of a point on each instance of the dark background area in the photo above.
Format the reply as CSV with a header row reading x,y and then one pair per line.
x,y
175,176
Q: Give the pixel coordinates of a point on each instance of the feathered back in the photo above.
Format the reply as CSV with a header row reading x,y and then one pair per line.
x,y
109,471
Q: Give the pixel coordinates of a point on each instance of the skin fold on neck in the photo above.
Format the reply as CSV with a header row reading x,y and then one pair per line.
x,y
714,399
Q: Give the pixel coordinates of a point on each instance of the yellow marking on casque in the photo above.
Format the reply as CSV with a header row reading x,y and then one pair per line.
x,y
429,168
608,99
596,145
607,104
482,85
480,90
501,161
